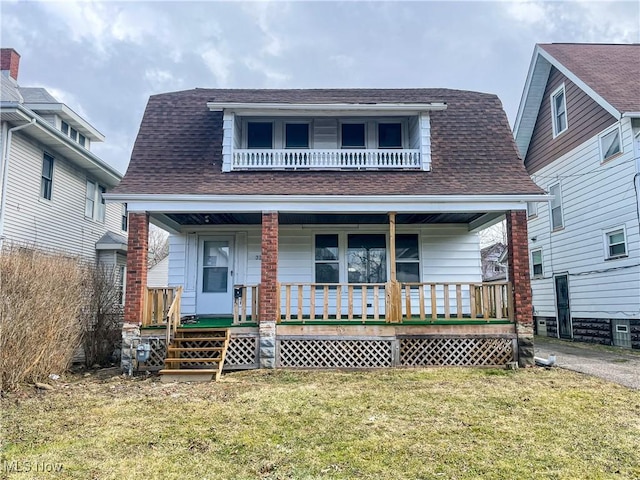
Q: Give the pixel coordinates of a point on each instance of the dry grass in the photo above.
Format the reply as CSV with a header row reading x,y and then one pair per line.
x,y
39,308
414,424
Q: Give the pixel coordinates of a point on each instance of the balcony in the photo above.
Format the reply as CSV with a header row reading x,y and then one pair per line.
x,y
253,159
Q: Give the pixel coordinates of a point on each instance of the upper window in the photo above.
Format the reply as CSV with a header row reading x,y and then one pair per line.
x,y
389,135
559,111
259,135
610,144
536,263
556,207
407,258
73,133
532,209
47,177
125,218
353,135
366,258
94,205
326,259
296,135
615,243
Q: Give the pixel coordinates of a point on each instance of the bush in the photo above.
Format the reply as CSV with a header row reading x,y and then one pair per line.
x,y
41,301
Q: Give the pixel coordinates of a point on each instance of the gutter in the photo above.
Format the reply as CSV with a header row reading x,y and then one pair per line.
x,y
5,174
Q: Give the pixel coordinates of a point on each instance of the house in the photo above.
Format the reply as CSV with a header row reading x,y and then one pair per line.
x,y
51,184
578,129
492,258
158,275
328,228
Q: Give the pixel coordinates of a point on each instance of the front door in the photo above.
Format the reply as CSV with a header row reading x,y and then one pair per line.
x,y
215,276
562,304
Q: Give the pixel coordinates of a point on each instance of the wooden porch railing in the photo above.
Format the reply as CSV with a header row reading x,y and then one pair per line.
x,y
417,301
245,304
157,305
173,316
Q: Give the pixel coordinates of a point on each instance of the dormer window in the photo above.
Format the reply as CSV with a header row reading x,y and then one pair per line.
x,y
73,134
353,135
259,135
559,111
389,135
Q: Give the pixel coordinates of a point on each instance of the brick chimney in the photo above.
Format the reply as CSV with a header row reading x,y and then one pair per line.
x,y
9,62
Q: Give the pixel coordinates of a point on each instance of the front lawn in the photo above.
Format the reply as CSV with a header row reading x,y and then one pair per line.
x,y
444,423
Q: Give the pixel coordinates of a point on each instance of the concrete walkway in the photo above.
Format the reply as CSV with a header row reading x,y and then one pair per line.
x,y
621,366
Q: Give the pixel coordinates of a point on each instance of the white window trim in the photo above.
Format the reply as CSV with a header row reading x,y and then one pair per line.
x,y
604,134
99,205
555,229
534,250
605,238
553,110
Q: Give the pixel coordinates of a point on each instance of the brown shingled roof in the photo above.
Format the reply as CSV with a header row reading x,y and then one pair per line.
x,y
179,148
612,71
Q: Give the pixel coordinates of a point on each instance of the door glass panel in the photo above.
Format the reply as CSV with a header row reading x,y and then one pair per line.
x,y
215,269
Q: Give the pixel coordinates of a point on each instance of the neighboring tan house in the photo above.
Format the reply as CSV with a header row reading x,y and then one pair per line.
x,y
578,131
492,257
51,184
329,228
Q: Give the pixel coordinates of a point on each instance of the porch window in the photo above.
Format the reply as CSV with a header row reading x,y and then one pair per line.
x,y
353,135
296,135
407,258
366,258
326,259
259,135
389,135
47,177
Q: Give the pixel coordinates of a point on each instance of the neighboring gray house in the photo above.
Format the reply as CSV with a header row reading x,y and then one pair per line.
x,y
494,267
51,184
578,131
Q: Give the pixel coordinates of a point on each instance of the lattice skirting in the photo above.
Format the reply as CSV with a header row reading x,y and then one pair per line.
x,y
241,354
334,353
428,351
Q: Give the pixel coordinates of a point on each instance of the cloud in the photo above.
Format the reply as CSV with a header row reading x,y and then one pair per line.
x,y
162,80
218,63
69,99
273,76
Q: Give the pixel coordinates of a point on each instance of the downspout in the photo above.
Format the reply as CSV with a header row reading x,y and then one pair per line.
x,y
5,174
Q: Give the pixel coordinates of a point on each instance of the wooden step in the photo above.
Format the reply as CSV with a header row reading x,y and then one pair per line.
x,y
199,339
195,349
195,375
191,360
202,330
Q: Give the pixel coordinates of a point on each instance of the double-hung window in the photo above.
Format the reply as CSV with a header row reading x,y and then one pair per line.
x,y
556,207
559,111
407,258
615,243
46,184
327,261
124,218
259,135
536,263
94,204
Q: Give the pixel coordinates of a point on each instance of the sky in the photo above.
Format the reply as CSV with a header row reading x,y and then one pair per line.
x,y
104,59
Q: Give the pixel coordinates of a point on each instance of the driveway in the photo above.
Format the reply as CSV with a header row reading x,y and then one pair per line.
x,y
619,366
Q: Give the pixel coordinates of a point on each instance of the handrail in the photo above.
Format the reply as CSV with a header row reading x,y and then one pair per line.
x,y
173,316
245,304
157,304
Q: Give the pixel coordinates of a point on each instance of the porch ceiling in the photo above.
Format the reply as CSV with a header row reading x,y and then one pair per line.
x,y
319,218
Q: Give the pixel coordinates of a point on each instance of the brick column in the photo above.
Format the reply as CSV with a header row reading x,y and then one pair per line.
x,y
268,310
137,251
518,244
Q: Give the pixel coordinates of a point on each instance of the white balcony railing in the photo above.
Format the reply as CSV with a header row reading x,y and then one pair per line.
x,y
325,159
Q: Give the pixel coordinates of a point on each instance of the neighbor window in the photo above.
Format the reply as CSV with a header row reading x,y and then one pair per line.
x,y
366,258
390,135
259,135
296,135
556,207
94,204
616,244
353,135
72,133
125,217
327,262
47,177
407,258
610,144
532,209
559,111
65,128
122,283
536,263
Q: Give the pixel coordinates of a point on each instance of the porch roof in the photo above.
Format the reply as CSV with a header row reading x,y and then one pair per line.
x,y
179,148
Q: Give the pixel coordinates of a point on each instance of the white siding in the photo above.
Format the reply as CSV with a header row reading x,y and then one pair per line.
x,y
58,224
325,133
595,197
158,275
448,253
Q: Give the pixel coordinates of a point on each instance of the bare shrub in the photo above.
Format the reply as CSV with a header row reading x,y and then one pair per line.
x,y
40,303
102,317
